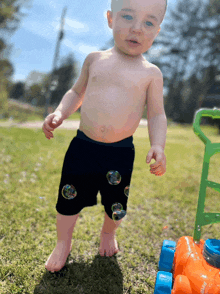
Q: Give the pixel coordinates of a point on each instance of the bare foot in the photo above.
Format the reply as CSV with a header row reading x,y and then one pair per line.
x,y
57,259
108,244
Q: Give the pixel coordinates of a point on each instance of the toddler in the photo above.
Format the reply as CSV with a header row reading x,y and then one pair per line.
x,y
113,89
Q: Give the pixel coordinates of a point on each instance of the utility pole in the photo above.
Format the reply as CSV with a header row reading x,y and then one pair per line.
x,y
53,79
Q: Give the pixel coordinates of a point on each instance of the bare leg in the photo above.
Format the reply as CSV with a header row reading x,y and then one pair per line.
x,y
108,244
65,226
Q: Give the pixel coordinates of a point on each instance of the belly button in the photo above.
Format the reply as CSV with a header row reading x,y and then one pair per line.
x,y
102,129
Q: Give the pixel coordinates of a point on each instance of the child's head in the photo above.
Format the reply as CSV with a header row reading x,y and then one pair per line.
x,y
116,5
135,19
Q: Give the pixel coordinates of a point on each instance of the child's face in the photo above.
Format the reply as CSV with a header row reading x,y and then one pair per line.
x,y
136,24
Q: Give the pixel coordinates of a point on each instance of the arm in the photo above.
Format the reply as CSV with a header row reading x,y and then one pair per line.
x,y
70,102
157,121
157,124
73,99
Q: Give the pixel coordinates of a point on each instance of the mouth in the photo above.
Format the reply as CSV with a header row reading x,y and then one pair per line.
x,y
133,41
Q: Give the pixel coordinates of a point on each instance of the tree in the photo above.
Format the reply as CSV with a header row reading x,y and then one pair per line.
x,y
10,15
17,91
214,7
35,96
9,20
188,48
65,76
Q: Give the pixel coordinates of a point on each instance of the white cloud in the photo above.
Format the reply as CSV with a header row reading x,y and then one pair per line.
x,y
81,47
86,48
48,29
75,26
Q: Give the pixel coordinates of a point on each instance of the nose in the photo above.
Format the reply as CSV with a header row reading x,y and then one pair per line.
x,y
137,27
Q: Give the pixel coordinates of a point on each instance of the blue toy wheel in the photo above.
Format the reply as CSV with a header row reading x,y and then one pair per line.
x,y
167,255
163,283
211,252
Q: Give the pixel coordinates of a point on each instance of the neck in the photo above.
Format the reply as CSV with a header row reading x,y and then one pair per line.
x,y
127,56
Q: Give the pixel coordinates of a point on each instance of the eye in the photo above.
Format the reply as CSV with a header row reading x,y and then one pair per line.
x,y
128,17
149,24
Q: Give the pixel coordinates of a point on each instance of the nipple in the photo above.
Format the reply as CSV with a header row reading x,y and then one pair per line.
x,y
113,177
69,192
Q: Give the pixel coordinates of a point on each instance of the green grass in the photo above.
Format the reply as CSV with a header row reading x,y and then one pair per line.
x,y
30,174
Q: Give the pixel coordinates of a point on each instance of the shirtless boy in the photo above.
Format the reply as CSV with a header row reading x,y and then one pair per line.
x,y
113,89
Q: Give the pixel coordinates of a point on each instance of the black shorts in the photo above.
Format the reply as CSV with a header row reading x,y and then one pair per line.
x,y
90,167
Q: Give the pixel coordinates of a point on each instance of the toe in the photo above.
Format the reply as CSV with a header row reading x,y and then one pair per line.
x,y
53,268
101,252
47,267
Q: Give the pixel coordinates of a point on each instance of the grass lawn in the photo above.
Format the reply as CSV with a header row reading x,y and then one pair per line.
x,y
30,175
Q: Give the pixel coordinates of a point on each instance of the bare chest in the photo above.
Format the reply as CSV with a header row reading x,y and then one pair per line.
x,y
109,75
115,98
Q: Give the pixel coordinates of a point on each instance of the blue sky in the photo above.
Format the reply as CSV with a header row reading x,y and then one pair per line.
x,y
85,28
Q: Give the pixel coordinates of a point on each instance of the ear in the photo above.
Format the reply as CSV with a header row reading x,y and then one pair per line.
x,y
158,31
109,17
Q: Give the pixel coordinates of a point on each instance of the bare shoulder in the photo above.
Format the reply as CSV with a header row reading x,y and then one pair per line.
x,y
94,55
153,70
91,56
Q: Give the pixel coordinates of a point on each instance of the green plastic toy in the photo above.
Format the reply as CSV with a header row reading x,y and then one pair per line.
x,y
203,218
192,265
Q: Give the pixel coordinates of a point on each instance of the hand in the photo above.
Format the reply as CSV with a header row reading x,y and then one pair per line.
x,y
159,167
52,121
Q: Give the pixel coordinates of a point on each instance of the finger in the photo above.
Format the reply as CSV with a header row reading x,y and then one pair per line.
x,y
48,133
160,171
55,121
154,167
156,172
157,163
159,175
149,157
48,137
47,127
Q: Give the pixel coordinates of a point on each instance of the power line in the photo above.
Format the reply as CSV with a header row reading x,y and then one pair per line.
x,y
53,79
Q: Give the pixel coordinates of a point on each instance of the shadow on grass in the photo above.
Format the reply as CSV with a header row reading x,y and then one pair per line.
x,y
102,275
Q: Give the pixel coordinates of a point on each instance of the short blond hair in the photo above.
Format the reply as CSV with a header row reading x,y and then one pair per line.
x,y
116,3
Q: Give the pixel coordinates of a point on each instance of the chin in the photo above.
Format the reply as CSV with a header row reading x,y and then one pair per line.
x,y
131,52
134,53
